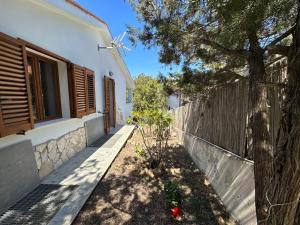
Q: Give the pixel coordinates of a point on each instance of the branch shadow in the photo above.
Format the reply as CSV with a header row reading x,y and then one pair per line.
x,y
131,194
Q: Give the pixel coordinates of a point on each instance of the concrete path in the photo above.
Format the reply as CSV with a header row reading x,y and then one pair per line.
x,y
85,170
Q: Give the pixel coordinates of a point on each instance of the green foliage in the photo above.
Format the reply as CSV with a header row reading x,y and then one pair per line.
x,y
213,32
154,127
150,116
148,94
195,84
140,151
211,37
172,193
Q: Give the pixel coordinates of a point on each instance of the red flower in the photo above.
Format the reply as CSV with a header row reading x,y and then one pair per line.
x,y
175,212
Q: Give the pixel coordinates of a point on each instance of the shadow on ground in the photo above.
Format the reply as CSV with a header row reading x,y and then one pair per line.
x,y
130,194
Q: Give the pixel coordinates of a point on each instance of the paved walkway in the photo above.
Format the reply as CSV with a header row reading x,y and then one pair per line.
x,y
85,172
62,194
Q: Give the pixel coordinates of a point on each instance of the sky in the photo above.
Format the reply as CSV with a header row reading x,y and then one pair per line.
x,y
117,14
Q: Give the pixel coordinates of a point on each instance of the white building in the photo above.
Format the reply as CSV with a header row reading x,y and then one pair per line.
x,y
174,101
58,90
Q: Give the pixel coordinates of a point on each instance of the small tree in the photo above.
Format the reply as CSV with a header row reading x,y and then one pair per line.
x,y
148,94
151,118
154,128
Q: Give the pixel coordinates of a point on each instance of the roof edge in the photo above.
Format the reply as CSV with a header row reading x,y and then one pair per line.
x,y
117,53
78,6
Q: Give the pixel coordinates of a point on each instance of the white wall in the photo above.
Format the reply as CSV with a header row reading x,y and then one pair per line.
x,y
70,38
128,110
231,176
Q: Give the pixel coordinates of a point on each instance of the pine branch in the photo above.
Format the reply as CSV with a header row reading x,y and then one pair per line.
x,y
281,37
225,50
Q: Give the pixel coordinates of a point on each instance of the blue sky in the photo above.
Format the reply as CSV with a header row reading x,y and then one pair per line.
x,y
117,14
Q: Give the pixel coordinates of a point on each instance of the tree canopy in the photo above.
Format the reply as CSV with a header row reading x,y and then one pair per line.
x,y
148,94
212,34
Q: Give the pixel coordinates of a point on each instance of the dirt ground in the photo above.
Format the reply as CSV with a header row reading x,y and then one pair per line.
x,y
131,194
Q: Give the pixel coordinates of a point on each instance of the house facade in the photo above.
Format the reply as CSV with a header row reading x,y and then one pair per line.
x,y
59,91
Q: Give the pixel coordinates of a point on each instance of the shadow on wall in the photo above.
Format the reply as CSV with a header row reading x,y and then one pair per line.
x,y
231,176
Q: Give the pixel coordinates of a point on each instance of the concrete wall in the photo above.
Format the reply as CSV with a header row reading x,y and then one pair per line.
x,y
128,110
18,173
94,129
231,176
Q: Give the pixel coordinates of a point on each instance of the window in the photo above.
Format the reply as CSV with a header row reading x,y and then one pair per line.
x,y
128,95
44,85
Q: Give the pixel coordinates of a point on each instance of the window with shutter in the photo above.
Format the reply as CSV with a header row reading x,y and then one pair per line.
x,y
15,98
83,91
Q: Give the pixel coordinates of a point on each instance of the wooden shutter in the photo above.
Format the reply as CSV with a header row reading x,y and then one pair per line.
x,y
79,91
114,101
91,98
106,105
15,98
82,95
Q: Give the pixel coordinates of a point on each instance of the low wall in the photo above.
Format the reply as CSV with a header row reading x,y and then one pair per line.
x,y
94,129
53,153
231,176
18,173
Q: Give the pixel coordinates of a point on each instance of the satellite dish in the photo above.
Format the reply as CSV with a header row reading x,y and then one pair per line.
x,y
116,43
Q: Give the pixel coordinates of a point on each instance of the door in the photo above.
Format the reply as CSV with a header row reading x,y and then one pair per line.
x,y
109,104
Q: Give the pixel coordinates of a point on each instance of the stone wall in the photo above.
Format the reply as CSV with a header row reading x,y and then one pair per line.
x,y
52,154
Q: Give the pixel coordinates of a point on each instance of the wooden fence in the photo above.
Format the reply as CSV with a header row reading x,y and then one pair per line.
x,y
223,118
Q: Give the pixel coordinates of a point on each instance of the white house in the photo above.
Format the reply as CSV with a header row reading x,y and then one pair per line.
x,y
59,91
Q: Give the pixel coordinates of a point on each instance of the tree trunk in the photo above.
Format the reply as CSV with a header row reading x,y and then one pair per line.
x,y
259,140
297,219
286,181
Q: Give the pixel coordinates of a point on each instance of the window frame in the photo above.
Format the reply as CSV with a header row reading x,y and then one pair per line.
x,y
41,117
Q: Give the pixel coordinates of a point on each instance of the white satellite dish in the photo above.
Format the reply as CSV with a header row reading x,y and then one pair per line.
x,y
116,43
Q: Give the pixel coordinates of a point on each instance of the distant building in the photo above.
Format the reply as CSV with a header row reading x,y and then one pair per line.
x,y
174,101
